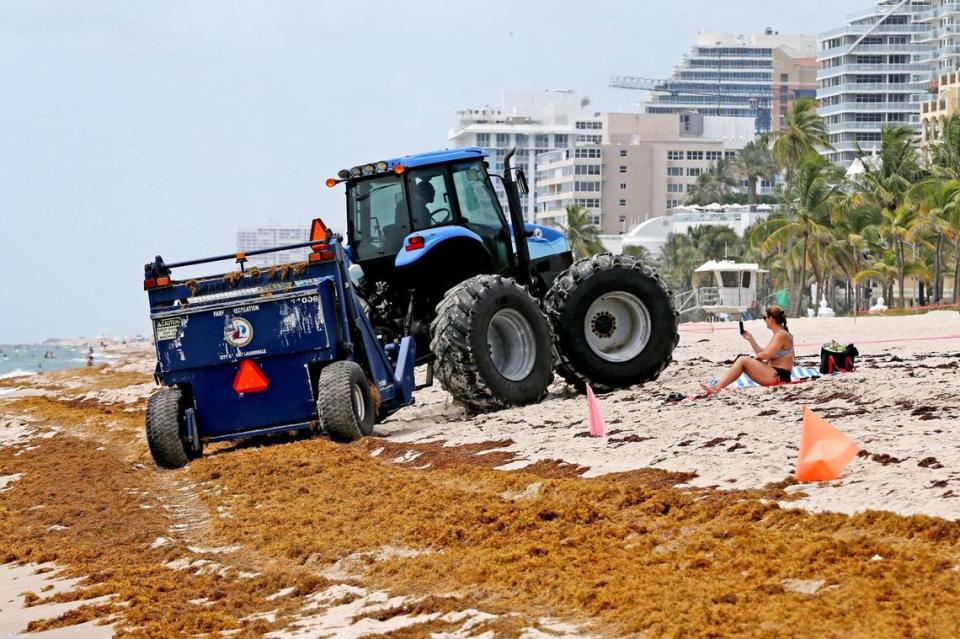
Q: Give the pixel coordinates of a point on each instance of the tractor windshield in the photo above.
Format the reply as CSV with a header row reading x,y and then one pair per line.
x,y
377,219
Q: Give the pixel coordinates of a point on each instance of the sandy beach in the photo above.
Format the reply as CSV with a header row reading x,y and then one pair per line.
x,y
684,520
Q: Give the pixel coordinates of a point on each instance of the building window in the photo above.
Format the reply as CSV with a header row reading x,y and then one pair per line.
x,y
694,172
694,155
713,156
623,186
483,139
542,141
588,169
730,155
587,154
674,188
522,139
674,155
623,153
623,168
561,140
596,220
675,171
623,202
784,77
503,139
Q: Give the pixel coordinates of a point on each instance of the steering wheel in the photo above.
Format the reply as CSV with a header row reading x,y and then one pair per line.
x,y
448,217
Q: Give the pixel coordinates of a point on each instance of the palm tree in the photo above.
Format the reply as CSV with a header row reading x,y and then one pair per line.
x,y
803,131
884,183
641,253
811,200
678,259
937,201
715,242
755,163
582,235
714,184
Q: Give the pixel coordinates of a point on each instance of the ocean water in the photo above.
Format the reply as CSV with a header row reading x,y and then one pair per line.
x,y
37,358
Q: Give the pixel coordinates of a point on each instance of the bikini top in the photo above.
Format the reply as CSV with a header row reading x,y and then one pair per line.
x,y
786,351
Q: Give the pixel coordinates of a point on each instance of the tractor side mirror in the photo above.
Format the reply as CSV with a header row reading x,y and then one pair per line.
x,y
522,182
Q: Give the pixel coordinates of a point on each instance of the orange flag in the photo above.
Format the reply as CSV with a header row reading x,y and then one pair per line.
x,y
824,450
597,427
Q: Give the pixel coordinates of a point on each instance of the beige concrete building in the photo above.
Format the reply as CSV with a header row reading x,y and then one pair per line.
x,y
934,113
651,161
793,77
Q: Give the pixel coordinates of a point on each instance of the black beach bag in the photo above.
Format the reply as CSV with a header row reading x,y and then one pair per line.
x,y
835,358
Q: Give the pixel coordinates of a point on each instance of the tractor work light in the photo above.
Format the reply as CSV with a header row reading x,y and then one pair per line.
x,y
368,169
331,182
381,166
343,174
399,169
163,281
415,243
149,284
356,172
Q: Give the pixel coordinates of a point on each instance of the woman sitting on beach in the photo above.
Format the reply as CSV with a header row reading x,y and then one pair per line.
x,y
771,365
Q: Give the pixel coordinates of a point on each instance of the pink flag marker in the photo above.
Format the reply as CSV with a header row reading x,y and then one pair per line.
x,y
597,427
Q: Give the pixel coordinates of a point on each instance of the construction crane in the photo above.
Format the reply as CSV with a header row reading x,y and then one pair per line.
x,y
759,103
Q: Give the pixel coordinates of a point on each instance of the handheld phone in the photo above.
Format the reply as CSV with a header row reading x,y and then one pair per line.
x,y
741,327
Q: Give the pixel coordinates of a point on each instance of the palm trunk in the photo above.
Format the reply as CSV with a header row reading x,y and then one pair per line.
x,y
937,284
898,244
752,193
798,303
956,276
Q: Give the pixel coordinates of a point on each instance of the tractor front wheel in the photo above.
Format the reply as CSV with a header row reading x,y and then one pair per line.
x,y
614,322
492,344
165,429
344,402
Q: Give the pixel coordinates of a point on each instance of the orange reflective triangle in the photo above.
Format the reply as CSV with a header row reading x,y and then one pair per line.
x,y
250,379
824,450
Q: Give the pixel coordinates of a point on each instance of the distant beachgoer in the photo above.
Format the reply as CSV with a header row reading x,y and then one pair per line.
x,y
771,365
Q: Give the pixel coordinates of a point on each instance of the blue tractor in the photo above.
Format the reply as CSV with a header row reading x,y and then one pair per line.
x,y
495,304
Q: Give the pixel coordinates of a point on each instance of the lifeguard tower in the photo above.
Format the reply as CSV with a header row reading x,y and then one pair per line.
x,y
730,289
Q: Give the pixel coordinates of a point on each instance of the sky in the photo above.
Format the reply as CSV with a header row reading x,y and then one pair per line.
x,y
130,129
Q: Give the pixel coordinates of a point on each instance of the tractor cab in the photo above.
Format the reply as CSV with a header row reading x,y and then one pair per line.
x,y
401,210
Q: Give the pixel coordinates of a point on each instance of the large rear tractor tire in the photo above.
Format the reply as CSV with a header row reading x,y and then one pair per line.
x,y
614,322
165,429
492,344
345,402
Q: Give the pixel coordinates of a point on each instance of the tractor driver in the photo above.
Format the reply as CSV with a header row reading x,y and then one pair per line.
x,y
423,194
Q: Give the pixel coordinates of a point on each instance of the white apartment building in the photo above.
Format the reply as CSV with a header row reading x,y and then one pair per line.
x,y
877,69
534,123
253,239
567,177
754,77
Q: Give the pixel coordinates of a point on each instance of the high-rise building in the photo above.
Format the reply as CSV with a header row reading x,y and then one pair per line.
x,y
253,239
756,77
534,123
877,69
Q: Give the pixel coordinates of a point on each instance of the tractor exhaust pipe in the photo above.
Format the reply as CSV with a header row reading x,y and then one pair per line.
x,y
520,234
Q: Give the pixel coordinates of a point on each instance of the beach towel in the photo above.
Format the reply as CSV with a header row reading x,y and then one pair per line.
x,y
799,374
